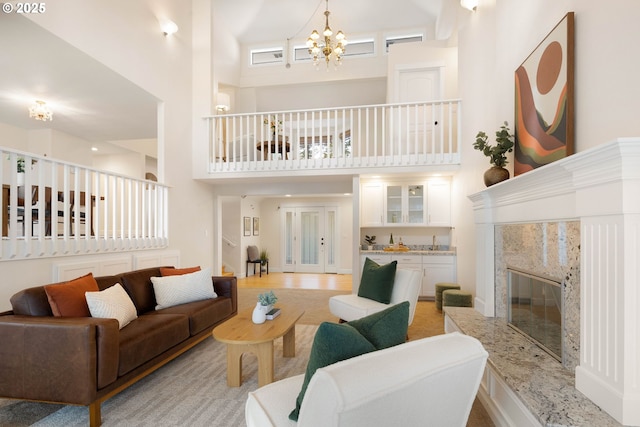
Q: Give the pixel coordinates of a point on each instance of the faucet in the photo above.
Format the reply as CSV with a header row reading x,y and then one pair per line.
x,y
434,247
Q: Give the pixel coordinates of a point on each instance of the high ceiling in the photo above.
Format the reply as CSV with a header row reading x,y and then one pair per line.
x,y
94,103
255,21
89,100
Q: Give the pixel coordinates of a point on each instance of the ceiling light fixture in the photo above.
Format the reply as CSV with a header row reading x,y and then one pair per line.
x,y
169,27
331,49
40,111
472,5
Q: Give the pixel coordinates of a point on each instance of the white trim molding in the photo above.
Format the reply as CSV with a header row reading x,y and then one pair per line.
x,y
598,187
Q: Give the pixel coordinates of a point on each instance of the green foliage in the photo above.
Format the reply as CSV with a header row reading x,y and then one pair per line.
x,y
264,256
371,240
268,298
497,153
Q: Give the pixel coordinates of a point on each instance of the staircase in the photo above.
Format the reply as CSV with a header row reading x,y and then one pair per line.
x,y
227,273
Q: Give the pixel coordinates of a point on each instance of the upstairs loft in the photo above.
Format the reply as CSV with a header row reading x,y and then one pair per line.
x,y
401,137
56,208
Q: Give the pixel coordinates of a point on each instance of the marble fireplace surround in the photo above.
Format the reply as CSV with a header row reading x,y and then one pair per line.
x,y
597,190
549,250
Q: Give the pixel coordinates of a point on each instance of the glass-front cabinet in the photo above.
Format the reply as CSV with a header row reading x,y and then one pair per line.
x,y
404,204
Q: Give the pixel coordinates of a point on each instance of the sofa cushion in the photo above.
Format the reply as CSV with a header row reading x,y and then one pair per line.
x,y
335,342
181,289
67,299
149,336
139,287
202,314
172,271
112,303
377,281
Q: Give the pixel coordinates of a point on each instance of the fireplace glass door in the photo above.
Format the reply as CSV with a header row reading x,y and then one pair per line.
x,y
535,309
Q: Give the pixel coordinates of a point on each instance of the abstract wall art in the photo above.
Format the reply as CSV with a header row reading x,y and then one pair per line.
x,y
544,101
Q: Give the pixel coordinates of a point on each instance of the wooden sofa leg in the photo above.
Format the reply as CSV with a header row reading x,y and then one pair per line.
x,y
94,414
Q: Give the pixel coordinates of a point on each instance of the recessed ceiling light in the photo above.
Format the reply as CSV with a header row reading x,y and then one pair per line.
x,y
94,148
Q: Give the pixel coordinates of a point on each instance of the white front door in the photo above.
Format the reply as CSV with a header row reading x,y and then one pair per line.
x,y
310,239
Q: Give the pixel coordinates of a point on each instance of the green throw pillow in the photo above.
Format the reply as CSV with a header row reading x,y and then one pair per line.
x,y
334,342
385,328
377,280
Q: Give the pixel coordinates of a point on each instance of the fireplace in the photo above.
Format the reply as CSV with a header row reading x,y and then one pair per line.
x,y
596,192
535,309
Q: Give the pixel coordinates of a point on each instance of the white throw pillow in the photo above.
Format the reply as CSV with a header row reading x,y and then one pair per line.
x,y
184,288
112,303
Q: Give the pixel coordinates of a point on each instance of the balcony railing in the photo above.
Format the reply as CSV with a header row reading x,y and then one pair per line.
x,y
55,208
345,138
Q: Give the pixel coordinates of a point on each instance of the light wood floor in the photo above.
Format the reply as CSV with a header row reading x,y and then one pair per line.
x,y
336,282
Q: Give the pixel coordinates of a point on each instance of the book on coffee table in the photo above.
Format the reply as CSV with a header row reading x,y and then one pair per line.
x,y
273,313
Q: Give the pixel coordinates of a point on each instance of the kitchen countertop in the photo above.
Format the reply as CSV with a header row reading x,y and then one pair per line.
x,y
452,251
542,384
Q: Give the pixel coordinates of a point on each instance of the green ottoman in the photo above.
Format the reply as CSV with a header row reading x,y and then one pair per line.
x,y
457,298
441,287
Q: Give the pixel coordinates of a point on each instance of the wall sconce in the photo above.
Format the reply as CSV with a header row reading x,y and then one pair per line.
x,y
168,27
224,102
472,5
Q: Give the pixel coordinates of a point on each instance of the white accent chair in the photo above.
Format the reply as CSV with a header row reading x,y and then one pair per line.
x,y
432,381
406,287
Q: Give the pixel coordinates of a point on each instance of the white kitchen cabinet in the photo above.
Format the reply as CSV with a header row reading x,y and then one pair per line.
x,y
372,204
404,204
381,259
439,203
437,268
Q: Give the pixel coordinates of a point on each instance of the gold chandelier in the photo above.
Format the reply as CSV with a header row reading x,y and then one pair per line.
x,y
331,49
40,111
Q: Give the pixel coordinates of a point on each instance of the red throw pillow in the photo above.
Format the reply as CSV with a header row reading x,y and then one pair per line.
x,y
68,300
171,271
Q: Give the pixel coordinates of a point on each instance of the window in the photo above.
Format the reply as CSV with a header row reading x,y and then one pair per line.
x,y
402,39
364,47
267,56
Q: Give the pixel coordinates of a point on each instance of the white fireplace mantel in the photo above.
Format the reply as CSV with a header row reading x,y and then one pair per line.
x,y
600,188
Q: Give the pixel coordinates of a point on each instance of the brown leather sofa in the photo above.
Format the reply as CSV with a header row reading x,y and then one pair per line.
x,y
85,360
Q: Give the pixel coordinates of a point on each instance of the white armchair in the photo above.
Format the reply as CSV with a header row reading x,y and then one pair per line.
x,y
431,381
406,287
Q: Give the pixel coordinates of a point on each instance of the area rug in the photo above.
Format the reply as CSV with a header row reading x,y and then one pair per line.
x,y
190,391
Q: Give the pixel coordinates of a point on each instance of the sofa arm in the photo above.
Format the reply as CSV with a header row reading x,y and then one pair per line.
x,y
57,359
227,286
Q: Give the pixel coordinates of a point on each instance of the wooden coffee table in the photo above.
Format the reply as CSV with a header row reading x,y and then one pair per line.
x,y
242,335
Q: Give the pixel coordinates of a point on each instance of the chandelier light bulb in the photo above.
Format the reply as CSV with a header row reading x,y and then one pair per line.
x,y
40,111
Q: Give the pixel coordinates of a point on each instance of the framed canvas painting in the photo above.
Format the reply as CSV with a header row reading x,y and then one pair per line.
x,y
256,226
247,226
544,101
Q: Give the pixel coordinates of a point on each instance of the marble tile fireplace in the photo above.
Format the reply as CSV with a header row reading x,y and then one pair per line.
x,y
577,220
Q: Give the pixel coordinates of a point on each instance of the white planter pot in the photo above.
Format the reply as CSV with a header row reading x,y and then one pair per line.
x,y
260,313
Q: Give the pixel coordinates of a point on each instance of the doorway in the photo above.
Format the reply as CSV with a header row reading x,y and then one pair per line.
x,y
310,236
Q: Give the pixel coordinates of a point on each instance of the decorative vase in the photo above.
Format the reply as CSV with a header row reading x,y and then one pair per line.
x,y
20,179
495,175
260,313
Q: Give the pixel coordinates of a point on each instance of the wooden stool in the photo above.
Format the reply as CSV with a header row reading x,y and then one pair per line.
x,y
457,298
440,287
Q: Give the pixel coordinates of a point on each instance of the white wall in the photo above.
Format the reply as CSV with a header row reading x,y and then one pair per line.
x,y
495,40
126,37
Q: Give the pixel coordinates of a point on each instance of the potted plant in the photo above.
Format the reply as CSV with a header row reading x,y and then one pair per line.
x,y
264,259
497,154
263,306
371,240
21,170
